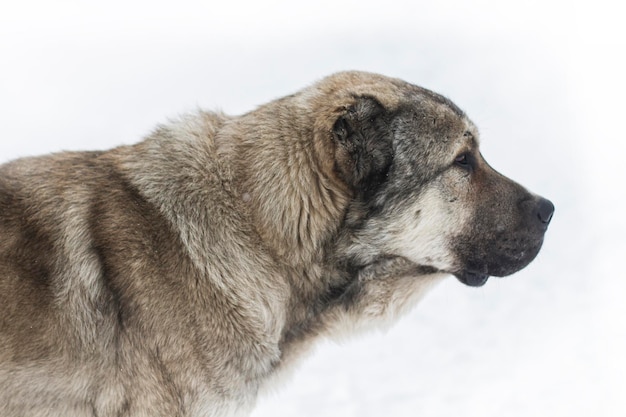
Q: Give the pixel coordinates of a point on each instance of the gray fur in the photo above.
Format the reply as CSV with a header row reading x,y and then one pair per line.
x,y
180,275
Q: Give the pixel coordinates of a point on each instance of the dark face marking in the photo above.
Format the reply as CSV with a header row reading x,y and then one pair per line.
x,y
506,229
363,146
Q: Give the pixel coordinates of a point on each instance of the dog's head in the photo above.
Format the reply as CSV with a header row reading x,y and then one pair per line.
x,y
421,188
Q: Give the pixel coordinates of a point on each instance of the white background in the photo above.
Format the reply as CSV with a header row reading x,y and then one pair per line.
x,y
544,81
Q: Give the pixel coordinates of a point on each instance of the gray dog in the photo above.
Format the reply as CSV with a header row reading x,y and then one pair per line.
x,y
178,276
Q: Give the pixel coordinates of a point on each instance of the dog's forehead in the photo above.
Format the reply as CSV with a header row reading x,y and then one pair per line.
x,y
433,115
421,96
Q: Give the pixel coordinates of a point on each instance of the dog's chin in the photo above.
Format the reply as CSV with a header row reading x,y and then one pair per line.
x,y
472,279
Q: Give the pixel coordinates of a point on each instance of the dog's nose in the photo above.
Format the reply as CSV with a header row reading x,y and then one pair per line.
x,y
545,210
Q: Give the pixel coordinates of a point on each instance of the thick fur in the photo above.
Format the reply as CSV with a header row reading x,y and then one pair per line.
x,y
177,276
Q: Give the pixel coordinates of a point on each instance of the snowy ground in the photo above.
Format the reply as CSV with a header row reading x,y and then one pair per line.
x,y
543,81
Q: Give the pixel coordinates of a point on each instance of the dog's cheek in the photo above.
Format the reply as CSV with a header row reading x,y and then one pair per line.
x,y
423,229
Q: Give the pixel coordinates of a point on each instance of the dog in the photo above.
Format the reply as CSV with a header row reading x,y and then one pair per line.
x,y
181,275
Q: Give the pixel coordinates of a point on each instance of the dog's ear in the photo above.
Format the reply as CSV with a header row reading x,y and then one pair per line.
x,y
363,145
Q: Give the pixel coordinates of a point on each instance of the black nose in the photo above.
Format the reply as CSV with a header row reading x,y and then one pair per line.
x,y
545,210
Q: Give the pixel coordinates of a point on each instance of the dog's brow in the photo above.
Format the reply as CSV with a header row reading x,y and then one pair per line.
x,y
471,139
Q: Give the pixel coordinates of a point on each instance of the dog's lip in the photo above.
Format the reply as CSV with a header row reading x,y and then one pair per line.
x,y
472,278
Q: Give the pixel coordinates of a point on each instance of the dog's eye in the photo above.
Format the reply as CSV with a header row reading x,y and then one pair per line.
x,y
462,161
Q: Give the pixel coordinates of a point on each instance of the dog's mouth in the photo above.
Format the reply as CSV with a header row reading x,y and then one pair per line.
x,y
403,266
472,278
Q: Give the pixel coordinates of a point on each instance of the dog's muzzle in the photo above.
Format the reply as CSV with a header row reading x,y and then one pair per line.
x,y
500,257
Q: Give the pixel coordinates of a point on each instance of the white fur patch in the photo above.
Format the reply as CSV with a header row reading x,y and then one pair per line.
x,y
422,231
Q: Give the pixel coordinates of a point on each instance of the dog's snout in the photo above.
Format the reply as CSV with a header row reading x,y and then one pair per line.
x,y
545,210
